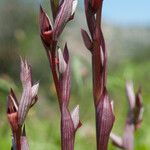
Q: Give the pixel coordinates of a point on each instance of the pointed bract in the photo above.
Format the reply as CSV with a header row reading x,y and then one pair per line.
x,y
91,22
130,94
26,98
138,110
104,121
86,39
12,113
35,88
133,120
14,98
64,83
96,44
45,27
62,63
116,140
16,112
112,106
75,116
25,74
63,16
63,11
66,53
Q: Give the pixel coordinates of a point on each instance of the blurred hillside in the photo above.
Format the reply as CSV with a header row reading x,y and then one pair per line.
x,y
19,35
129,53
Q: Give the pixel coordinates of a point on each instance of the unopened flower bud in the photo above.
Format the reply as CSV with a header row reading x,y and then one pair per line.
x,y
35,90
62,63
75,116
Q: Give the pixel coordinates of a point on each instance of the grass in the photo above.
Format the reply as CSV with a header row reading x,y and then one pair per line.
x,y
42,124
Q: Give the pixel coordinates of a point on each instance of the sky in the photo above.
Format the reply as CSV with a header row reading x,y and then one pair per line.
x,y
127,11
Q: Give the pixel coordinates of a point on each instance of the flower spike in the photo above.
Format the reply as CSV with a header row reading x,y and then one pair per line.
x,y
66,10
133,120
62,11
96,44
17,111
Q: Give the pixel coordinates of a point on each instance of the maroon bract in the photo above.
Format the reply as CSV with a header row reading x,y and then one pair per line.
x,y
17,111
63,11
96,44
133,120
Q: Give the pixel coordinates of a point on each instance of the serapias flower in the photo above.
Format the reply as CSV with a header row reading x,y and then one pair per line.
x,y
29,92
133,120
62,13
17,111
96,44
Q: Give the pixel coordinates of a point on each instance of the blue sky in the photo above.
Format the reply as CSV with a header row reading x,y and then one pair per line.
x,y
127,11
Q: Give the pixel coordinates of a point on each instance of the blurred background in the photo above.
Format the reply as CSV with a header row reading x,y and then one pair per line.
x,y
126,27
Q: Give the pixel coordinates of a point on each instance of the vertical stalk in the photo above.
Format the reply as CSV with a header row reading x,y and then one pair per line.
x,y
95,43
63,12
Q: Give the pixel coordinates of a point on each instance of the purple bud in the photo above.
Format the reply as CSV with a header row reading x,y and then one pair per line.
x,y
12,111
86,39
45,27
